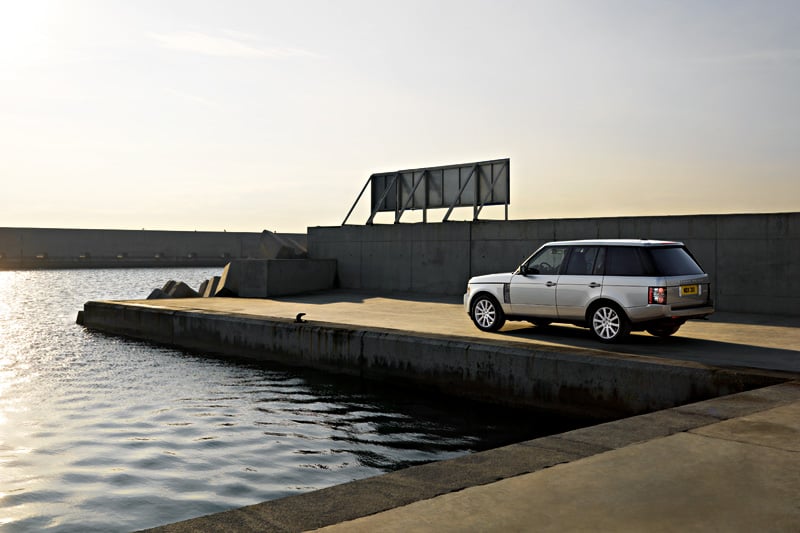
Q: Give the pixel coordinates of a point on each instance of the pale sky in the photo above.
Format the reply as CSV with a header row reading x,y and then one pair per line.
x,y
252,115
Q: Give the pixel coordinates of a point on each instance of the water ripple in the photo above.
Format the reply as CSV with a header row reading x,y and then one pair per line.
x,y
99,433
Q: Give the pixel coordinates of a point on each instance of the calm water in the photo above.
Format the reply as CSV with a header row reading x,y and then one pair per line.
x,y
99,433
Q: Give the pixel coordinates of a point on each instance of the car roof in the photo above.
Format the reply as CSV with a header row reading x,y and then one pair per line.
x,y
615,242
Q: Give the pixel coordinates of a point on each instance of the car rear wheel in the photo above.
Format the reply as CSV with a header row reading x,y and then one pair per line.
x,y
487,314
663,331
609,323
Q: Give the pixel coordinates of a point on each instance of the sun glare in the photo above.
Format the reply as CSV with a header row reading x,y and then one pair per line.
x,y
24,32
6,279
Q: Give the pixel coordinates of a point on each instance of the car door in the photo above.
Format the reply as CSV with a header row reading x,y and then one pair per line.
x,y
580,282
532,291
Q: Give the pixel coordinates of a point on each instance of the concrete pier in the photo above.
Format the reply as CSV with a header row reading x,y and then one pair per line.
x,y
686,450
432,344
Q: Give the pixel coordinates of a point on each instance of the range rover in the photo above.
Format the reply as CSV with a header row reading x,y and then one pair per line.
x,y
611,286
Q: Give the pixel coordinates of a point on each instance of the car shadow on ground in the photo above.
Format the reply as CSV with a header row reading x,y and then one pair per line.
x,y
710,352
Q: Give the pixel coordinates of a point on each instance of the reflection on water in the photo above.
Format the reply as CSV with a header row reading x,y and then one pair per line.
x,y
106,434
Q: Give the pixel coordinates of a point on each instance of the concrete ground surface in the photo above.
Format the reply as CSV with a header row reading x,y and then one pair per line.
x,y
726,464
742,474
728,339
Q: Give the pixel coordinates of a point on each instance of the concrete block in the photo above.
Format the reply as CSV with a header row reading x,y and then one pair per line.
x,y
211,287
228,283
274,246
297,276
263,278
182,290
252,278
158,294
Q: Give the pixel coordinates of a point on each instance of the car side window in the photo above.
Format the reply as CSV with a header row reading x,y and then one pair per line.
x,y
582,261
624,261
548,261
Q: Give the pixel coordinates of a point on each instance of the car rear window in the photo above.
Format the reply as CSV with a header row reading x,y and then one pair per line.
x,y
674,261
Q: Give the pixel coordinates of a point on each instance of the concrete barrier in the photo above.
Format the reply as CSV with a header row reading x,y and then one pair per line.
x,y
89,248
588,383
209,287
256,278
751,258
182,290
275,246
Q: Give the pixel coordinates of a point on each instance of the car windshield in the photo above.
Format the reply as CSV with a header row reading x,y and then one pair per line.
x,y
674,261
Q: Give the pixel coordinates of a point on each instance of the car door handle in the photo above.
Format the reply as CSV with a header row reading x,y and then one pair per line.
x,y
594,285
551,283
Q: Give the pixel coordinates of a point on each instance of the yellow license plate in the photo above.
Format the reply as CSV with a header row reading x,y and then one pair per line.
x,y
689,290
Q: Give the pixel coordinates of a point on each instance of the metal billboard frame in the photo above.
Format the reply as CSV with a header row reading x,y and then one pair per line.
x,y
439,187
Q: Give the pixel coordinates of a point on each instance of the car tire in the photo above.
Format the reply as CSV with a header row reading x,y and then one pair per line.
x,y
663,331
609,323
486,313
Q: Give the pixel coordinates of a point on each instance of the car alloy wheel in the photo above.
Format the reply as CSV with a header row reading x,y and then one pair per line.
x,y
487,314
609,324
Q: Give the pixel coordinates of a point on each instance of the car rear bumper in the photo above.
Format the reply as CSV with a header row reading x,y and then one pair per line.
x,y
656,312
692,312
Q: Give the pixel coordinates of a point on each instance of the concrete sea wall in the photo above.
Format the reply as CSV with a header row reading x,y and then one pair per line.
x,y
753,259
589,384
268,278
27,248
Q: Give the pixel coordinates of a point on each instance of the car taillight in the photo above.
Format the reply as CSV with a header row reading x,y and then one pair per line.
x,y
657,295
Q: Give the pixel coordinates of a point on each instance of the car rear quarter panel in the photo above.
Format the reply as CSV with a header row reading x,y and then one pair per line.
x,y
627,291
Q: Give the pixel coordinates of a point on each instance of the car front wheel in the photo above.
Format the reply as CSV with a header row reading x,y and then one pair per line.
x,y
609,323
487,313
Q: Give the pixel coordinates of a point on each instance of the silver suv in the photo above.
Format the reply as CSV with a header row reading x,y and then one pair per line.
x,y
610,286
